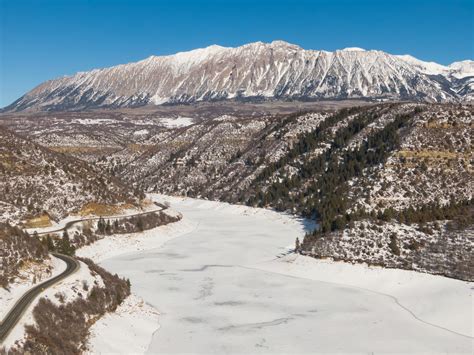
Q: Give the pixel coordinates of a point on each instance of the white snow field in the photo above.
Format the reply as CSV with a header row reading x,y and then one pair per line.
x,y
220,288
125,331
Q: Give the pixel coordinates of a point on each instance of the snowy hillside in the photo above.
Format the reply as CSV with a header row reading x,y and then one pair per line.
x,y
39,185
276,70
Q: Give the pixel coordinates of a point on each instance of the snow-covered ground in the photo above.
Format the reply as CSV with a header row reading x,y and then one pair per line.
x,y
119,244
29,277
135,320
130,326
176,122
220,288
68,289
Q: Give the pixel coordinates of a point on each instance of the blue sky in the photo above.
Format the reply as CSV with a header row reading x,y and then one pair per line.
x,y
41,40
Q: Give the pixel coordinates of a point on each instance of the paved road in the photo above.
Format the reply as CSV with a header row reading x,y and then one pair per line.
x,y
17,311
12,318
71,223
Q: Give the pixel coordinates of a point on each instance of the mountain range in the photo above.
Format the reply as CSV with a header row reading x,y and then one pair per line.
x,y
255,71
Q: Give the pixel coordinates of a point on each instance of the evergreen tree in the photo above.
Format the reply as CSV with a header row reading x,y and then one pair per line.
x,y
101,226
64,245
108,227
139,224
50,243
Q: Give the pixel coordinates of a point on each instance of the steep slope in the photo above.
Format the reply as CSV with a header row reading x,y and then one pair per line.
x,y
18,251
59,321
37,184
390,186
458,77
217,158
463,68
277,70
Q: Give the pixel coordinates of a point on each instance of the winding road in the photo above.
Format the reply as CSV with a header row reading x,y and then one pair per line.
x,y
14,315
71,223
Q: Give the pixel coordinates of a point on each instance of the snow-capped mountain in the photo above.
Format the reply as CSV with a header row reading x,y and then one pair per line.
x,y
276,70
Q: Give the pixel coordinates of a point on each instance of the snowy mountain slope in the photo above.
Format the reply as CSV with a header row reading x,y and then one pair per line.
x,y
458,77
463,68
276,70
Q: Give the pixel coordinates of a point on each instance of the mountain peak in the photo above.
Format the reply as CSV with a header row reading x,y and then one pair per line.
x,y
198,54
463,68
284,44
274,44
353,49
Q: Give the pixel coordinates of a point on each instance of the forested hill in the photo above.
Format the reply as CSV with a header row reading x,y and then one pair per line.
x,y
389,185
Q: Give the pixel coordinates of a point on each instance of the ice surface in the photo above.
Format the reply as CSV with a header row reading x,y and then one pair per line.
x,y
221,288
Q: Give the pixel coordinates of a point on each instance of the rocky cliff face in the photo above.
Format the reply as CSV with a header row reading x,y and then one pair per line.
x,y
277,70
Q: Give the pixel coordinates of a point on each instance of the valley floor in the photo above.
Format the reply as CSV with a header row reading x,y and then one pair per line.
x,y
218,282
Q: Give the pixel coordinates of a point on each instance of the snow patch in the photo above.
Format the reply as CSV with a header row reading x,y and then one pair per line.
x,y
118,244
353,49
128,329
176,122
